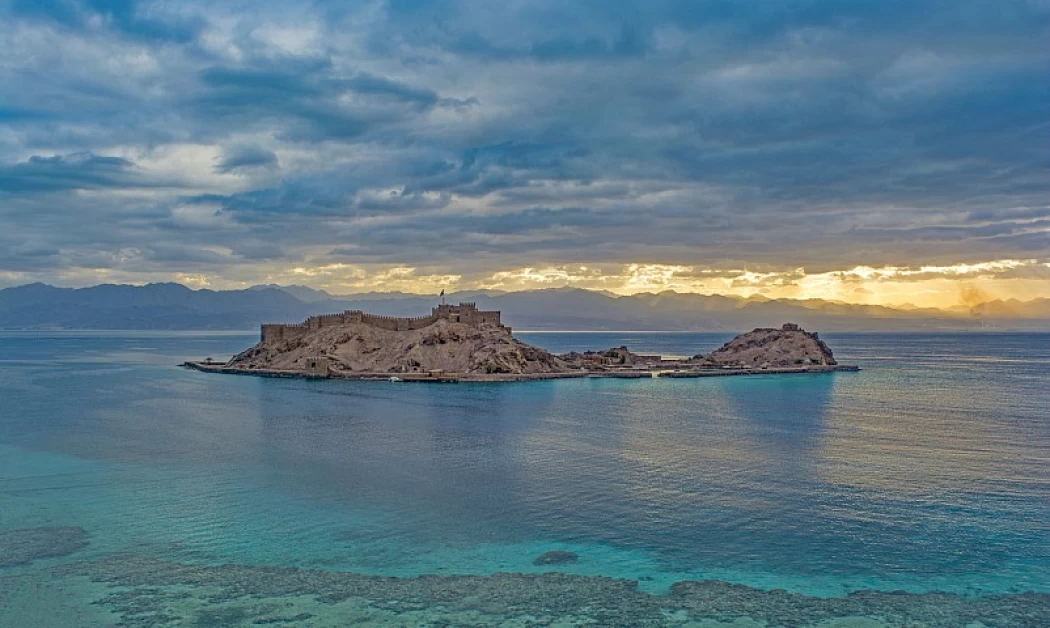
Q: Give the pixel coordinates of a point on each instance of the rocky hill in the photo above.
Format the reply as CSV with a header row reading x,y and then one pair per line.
x,y
787,346
444,345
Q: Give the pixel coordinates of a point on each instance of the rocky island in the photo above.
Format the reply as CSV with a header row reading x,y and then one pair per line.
x,y
461,342
788,345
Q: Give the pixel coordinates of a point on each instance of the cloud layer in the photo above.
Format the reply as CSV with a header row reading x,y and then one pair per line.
x,y
464,138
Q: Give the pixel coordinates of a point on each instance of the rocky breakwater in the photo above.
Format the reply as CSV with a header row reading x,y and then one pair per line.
x,y
447,346
787,346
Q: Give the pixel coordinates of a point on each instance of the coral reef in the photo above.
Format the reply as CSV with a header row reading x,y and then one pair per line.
x,y
21,547
149,592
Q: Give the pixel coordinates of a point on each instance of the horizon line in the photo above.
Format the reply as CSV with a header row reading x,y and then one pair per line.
x,y
903,307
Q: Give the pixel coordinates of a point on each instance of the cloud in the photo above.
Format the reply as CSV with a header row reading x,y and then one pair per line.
x,y
78,171
469,138
380,86
246,158
126,17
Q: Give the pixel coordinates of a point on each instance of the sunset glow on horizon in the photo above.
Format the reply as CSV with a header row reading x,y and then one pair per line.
x,y
944,287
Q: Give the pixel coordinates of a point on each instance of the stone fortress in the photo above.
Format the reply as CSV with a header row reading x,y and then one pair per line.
x,y
467,313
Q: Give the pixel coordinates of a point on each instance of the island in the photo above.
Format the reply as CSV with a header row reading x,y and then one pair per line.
x,y
463,343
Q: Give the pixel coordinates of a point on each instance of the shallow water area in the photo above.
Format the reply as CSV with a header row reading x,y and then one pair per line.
x,y
927,471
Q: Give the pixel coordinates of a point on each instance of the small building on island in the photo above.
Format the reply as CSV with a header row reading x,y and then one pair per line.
x,y
317,367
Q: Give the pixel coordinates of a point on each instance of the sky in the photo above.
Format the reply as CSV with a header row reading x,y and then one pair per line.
x,y
884,152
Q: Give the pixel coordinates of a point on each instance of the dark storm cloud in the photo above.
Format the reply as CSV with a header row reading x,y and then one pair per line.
x,y
68,172
304,198
807,132
128,17
378,85
242,158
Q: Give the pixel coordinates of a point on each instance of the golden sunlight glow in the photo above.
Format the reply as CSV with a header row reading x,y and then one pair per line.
x,y
946,286
347,278
923,286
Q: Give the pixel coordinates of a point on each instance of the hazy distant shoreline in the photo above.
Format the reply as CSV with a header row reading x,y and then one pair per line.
x,y
720,332
174,307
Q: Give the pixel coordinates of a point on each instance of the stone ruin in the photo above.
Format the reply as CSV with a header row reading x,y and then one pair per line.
x,y
467,313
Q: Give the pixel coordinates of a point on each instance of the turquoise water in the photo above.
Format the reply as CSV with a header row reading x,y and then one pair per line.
x,y
927,471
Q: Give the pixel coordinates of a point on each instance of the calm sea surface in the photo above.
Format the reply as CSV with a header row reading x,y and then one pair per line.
x,y
927,471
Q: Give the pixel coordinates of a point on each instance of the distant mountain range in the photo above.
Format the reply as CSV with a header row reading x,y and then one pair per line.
x,y
175,307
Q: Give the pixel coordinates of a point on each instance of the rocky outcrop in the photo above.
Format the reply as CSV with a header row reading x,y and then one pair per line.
x,y
444,345
614,358
789,345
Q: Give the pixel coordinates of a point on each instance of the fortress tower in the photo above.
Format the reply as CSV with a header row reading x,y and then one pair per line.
x,y
466,313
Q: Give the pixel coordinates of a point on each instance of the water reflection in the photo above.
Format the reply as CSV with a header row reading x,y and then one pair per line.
x,y
901,471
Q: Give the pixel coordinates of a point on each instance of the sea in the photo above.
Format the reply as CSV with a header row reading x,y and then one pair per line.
x,y
915,492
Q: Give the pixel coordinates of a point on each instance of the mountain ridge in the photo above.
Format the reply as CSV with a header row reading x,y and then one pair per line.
x,y
173,306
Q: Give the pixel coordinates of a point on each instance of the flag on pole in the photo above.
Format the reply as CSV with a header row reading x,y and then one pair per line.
x,y
442,293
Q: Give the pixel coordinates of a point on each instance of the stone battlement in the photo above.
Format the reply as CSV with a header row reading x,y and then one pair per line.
x,y
467,313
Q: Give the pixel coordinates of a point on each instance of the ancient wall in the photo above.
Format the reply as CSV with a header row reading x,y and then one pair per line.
x,y
467,313
325,320
492,318
277,333
395,323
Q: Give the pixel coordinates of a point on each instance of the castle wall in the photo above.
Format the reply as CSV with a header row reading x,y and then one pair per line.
x,y
395,323
492,318
277,333
467,313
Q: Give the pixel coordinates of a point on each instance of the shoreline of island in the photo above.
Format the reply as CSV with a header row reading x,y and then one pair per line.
x,y
463,343
452,378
